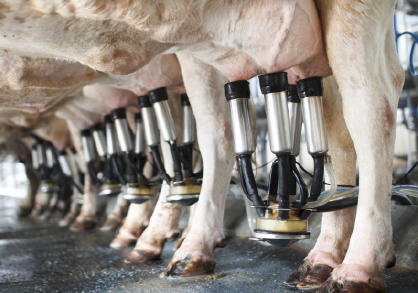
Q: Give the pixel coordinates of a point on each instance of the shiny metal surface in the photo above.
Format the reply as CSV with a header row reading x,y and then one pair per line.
x,y
65,165
50,158
313,118
100,142
111,141
272,235
295,121
242,129
35,162
278,122
41,154
88,146
188,126
124,135
165,121
139,138
79,164
152,133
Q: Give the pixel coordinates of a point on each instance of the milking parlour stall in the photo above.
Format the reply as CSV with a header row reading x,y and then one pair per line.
x,y
208,146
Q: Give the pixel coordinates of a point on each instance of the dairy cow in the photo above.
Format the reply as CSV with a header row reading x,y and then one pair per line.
x,y
352,40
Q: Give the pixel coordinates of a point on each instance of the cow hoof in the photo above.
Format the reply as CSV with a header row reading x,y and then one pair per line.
x,y
67,220
46,215
83,223
138,255
126,237
316,277
24,212
111,224
189,267
331,286
299,275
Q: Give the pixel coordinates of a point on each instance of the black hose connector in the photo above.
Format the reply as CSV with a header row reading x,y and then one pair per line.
x,y
318,177
155,151
284,172
249,184
304,193
178,175
273,181
117,169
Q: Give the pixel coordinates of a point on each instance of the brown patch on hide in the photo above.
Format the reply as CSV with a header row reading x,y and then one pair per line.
x,y
2,16
138,255
388,115
36,14
4,7
330,286
316,277
19,19
189,267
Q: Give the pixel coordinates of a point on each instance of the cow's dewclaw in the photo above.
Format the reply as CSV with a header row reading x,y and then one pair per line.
x,y
189,267
83,223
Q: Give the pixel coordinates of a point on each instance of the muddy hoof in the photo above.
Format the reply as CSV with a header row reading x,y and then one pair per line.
x,y
121,242
138,255
316,277
83,224
299,275
67,220
331,286
111,224
46,215
126,237
189,267
24,212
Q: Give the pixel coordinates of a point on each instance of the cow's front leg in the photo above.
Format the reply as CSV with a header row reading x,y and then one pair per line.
x,y
204,87
362,54
164,221
87,217
336,228
135,222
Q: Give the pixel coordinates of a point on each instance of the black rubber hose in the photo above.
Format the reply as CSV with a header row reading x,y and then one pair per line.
x,y
248,180
131,169
116,168
140,160
352,201
93,173
284,172
175,154
77,185
304,193
401,199
273,179
243,183
318,177
187,154
159,164
292,177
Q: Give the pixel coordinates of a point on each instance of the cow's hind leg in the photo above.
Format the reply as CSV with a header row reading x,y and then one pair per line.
x,y
204,86
361,49
336,228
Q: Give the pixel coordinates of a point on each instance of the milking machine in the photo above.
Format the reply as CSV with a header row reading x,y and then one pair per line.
x,y
282,217
185,187
107,147
138,187
44,159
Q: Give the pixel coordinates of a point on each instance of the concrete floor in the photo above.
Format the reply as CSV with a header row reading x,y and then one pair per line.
x,y
37,256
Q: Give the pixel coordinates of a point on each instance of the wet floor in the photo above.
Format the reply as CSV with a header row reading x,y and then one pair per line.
x,y
40,257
